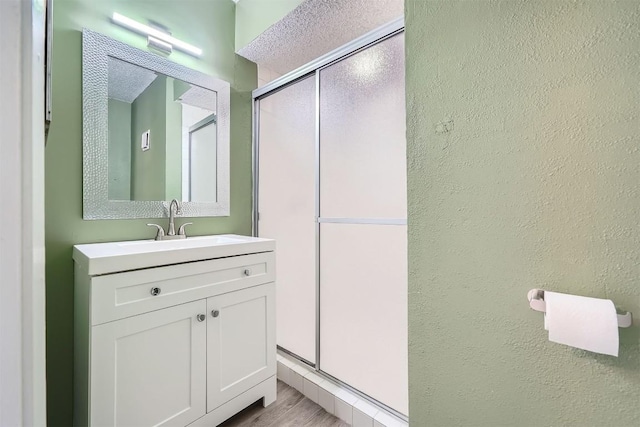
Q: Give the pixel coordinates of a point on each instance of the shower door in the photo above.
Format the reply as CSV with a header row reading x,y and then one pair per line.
x,y
286,199
363,232
331,189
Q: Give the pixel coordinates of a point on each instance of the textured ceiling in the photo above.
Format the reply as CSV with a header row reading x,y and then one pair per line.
x,y
127,81
315,28
199,97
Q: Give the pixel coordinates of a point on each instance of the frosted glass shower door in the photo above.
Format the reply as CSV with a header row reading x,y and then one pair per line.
x,y
363,233
286,207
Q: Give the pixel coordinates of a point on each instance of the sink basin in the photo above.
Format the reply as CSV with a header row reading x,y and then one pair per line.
x,y
112,257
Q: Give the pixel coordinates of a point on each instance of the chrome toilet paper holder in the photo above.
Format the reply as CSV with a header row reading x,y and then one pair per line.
x,y
536,302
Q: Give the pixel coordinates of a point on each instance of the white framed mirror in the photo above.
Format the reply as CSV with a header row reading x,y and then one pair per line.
x,y
153,131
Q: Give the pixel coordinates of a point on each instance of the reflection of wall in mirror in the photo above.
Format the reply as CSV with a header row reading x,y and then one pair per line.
x,y
154,174
173,172
147,167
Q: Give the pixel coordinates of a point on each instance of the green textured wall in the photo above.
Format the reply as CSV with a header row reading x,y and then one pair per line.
x,y
208,24
523,128
173,154
253,17
148,170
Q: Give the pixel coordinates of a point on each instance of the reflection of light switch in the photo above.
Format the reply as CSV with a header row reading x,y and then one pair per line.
x,y
145,140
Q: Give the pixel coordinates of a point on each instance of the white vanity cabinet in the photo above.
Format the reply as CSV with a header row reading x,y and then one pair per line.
x,y
150,369
166,344
238,343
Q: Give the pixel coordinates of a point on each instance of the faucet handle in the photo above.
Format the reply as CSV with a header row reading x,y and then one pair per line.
x,y
160,234
181,229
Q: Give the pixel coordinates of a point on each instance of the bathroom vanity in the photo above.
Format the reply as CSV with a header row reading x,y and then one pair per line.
x,y
178,332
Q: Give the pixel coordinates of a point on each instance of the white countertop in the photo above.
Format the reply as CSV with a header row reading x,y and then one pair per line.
x,y
112,257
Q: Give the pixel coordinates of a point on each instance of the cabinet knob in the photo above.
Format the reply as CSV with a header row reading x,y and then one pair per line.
x,y
215,313
247,272
155,291
201,317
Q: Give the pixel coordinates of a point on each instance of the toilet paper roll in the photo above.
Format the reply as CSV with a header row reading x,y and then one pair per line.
x,y
582,322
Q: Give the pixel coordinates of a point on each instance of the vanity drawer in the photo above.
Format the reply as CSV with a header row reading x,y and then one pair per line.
x,y
115,296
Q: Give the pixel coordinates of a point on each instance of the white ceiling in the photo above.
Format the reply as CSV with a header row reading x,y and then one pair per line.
x,y
315,28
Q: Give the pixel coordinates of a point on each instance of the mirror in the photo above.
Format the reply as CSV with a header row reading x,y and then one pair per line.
x,y
153,131
162,136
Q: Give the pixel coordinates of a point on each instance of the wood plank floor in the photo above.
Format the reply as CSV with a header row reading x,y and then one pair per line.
x,y
291,409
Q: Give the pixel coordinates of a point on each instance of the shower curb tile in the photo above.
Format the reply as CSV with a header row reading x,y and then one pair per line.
x,y
344,411
366,408
346,396
314,378
311,390
288,363
302,371
327,400
283,373
333,398
388,421
360,419
329,387
297,381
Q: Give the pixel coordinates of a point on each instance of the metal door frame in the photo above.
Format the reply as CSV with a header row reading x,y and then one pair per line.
x,y
313,68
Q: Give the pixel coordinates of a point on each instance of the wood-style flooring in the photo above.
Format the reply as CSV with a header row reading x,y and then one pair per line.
x,y
291,409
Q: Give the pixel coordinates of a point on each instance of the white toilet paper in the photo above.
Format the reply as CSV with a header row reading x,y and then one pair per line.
x,y
582,322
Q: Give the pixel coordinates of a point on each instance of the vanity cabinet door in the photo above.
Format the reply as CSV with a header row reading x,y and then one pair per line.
x,y
150,370
241,346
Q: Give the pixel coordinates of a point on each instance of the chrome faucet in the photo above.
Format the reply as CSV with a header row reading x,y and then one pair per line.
x,y
178,211
171,231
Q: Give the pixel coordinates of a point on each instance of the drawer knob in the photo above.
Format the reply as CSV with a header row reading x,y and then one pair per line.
x,y
201,317
215,313
155,291
247,272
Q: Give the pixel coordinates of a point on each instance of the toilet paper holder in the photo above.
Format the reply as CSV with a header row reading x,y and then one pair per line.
x,y
536,302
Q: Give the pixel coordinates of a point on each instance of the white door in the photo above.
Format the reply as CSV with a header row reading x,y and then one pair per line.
x,y
241,345
203,158
150,369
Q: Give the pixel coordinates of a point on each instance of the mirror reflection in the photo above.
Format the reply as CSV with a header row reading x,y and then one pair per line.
x,y
162,136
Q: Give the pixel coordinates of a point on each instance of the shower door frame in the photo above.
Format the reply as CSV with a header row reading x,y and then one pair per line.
x,y
314,68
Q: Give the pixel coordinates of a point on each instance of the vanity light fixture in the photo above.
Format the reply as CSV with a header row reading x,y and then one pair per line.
x,y
159,45
158,38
